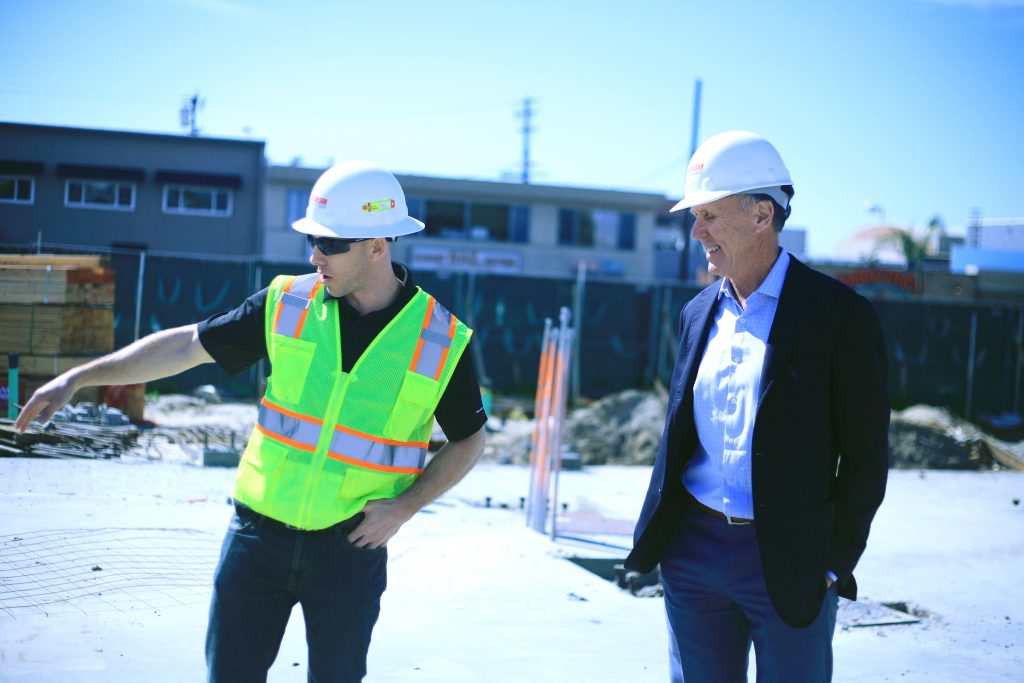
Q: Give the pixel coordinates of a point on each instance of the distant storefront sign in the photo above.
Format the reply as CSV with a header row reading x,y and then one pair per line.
x,y
496,261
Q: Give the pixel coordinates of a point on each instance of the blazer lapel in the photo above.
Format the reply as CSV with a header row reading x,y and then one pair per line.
x,y
697,338
785,326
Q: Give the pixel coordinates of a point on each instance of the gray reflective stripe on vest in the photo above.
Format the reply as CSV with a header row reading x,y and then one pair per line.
x,y
370,453
294,303
435,340
302,434
359,450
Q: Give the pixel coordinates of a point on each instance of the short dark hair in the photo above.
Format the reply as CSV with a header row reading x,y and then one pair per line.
x,y
779,215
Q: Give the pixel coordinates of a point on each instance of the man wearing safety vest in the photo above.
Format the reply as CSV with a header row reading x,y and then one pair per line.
x,y
362,362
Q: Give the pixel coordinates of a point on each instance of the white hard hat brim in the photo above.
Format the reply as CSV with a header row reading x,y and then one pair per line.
x,y
405,226
699,198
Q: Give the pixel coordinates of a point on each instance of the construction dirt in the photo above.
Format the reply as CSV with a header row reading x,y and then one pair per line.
x,y
625,428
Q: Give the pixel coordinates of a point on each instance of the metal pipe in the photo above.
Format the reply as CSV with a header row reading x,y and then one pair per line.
x,y
970,363
138,293
563,353
1020,358
12,385
580,297
535,511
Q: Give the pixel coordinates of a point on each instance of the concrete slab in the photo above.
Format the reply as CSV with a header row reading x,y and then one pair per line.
x,y
473,594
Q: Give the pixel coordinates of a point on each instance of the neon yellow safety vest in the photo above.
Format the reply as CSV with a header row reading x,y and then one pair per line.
x,y
327,441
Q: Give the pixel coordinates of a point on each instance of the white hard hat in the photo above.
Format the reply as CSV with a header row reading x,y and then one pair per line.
x,y
356,199
735,162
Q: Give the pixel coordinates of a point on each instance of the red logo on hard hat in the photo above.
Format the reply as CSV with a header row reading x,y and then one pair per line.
x,y
696,168
317,199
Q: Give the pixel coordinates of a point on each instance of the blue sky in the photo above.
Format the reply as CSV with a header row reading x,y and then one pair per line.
x,y
913,105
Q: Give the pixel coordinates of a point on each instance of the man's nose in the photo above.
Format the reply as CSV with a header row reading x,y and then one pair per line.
x,y
698,228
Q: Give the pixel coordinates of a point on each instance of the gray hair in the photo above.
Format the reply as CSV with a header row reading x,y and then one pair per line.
x,y
779,214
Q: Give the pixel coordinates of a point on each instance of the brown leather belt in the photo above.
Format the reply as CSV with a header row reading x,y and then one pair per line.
x,y
732,521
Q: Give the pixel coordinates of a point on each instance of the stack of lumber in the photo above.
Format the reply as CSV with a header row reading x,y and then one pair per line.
x,y
57,312
55,279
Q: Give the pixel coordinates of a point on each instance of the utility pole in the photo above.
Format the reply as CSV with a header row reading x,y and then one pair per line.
x,y
684,260
525,114
188,114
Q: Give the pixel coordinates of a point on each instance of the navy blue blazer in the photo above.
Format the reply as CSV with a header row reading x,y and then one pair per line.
x,y
820,441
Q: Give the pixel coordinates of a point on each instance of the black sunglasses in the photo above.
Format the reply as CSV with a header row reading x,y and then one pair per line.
x,y
329,246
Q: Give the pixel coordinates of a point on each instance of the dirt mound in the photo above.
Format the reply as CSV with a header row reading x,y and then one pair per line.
x,y
621,429
934,438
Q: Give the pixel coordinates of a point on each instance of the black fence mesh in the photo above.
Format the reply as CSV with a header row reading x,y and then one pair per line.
x,y
627,338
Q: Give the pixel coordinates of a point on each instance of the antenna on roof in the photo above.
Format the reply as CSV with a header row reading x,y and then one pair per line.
x,y
525,114
188,113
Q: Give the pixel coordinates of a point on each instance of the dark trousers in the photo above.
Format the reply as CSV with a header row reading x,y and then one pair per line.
x,y
717,605
265,568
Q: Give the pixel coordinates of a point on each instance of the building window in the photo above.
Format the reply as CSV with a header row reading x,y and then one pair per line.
x,y
575,228
627,231
192,200
472,221
597,227
99,194
520,223
489,222
295,205
417,208
17,190
446,219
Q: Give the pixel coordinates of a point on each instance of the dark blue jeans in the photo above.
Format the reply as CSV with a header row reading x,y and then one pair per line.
x,y
717,605
265,568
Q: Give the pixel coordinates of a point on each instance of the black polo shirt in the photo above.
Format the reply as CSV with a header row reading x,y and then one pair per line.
x,y
236,339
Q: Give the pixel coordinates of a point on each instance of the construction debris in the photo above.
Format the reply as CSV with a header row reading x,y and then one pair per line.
x,y
620,429
84,430
934,438
625,429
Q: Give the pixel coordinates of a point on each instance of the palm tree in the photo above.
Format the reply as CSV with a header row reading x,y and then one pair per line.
x,y
912,247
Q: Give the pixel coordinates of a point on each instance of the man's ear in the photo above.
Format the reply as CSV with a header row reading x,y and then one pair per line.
x,y
764,212
378,248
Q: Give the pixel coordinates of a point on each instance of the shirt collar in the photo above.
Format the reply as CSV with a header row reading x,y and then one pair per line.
x,y
772,284
405,294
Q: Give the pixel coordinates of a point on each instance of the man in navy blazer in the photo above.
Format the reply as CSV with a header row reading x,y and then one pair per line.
x,y
775,451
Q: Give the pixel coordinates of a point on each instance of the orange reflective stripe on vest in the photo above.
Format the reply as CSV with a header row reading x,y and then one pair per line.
x,y
348,445
293,307
435,340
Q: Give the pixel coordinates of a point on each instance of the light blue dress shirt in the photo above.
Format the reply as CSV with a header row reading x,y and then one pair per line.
x,y
725,395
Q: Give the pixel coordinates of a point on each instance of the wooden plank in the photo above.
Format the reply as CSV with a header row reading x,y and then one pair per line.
x,y
75,260
56,285
46,366
55,329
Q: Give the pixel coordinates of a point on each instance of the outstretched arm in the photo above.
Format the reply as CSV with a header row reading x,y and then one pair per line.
x,y
159,355
383,518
